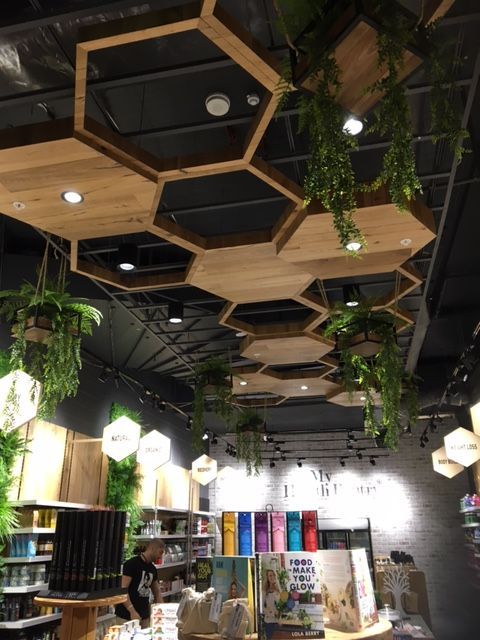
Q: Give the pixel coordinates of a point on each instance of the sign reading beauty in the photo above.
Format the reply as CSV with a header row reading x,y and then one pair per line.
x,y
204,469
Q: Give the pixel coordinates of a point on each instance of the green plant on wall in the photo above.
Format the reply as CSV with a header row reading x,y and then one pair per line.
x,y
249,440
382,372
124,482
212,378
12,446
55,361
330,176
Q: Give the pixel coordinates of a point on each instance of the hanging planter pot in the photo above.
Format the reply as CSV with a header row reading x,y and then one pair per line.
x,y
248,440
366,344
38,327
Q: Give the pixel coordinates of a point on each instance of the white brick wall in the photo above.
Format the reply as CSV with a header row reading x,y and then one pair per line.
x,y
410,507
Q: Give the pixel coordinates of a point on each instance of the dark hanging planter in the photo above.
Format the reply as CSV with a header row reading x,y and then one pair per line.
x,y
39,326
366,344
249,437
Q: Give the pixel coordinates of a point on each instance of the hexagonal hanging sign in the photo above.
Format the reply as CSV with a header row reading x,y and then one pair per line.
x,y
19,396
443,465
153,450
462,446
204,469
120,438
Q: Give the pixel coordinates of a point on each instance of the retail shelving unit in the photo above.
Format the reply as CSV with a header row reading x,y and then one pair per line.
x,y
192,538
471,527
41,533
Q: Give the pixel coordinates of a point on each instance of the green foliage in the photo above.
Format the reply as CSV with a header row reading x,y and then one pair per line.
x,y
383,373
212,377
249,440
330,177
392,115
56,362
446,121
124,482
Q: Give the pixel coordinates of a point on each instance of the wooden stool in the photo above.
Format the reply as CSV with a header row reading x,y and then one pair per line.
x,y
79,617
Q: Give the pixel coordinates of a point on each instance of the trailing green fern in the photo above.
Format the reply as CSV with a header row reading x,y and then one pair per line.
x,y
249,440
56,362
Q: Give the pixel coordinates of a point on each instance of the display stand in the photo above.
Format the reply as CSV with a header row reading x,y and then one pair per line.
x,y
382,630
79,617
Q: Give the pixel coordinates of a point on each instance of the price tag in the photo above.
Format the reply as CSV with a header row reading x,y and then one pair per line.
x,y
215,608
235,621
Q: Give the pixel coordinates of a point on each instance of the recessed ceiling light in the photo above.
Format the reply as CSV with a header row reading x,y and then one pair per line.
x,y
241,334
18,205
352,303
363,398
406,242
72,197
257,355
353,126
353,246
304,387
217,104
243,383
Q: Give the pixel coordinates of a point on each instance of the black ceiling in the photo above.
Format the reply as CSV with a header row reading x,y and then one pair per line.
x,y
153,93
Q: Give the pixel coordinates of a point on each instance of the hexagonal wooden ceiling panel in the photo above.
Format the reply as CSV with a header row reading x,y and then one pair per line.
x,y
251,273
344,399
311,242
38,163
286,348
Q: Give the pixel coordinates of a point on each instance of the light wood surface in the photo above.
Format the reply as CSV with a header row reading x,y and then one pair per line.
x,y
285,348
82,475
341,397
382,630
313,243
79,618
248,274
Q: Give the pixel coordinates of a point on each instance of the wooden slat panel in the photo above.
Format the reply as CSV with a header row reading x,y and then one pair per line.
x,y
39,480
276,179
285,348
262,119
82,472
130,282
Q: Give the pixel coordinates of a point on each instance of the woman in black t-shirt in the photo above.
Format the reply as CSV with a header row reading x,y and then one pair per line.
x,y
140,578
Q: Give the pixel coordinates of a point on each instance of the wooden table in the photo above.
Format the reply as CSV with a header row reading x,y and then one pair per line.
x,y
382,630
79,617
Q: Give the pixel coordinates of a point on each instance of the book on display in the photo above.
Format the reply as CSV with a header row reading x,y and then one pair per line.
x,y
289,597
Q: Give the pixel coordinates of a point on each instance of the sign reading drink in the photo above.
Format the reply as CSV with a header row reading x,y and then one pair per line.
x,y
120,438
204,469
153,450
443,465
463,446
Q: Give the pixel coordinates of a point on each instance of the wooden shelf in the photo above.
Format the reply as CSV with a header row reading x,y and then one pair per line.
x,y
38,530
181,512
26,560
30,622
167,565
30,588
50,504
470,510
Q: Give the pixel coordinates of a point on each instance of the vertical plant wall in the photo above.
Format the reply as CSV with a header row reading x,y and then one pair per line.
x,y
123,482
12,445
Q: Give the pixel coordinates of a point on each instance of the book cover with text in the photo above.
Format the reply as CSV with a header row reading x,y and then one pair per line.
x,y
232,576
289,596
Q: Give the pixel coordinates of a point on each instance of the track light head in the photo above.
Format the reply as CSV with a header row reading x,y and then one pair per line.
x,y
214,439
359,455
342,462
175,312
127,257
188,426
373,462
272,464
299,464
205,435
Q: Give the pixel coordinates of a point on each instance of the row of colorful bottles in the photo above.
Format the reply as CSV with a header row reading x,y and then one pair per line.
x,y
468,501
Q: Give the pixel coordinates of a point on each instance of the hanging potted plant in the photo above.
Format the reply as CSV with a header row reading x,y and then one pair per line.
x,y
48,324
249,433
331,86
371,362
213,379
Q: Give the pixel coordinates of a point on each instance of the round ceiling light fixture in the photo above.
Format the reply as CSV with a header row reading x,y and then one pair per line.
x,y
304,387
127,257
72,197
241,334
353,126
406,242
353,246
243,383
253,99
217,104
